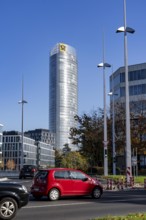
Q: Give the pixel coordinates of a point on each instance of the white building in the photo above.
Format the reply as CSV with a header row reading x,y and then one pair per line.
x,y
34,152
12,150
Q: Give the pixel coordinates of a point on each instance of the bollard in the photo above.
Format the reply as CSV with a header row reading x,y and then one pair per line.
x,y
132,181
108,184
121,184
111,184
125,182
118,184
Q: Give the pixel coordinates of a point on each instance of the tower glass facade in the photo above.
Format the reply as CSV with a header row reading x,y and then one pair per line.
x,y
63,93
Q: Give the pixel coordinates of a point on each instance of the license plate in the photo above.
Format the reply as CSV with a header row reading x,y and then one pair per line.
x,y
36,189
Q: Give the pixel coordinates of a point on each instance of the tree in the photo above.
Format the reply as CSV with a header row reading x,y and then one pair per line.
x,y
10,164
1,164
58,158
74,160
66,149
138,125
89,136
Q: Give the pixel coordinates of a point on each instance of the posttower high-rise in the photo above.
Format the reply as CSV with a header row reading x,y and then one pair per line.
x,y
63,93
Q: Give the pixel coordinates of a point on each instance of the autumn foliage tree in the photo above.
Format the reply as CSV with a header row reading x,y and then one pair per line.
x,y
137,126
88,136
74,160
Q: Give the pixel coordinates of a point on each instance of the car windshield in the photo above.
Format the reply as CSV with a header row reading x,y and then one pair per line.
x,y
28,167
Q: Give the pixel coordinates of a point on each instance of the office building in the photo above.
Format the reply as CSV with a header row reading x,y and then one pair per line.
x,y
35,152
137,83
42,135
12,150
63,93
137,98
45,155
45,141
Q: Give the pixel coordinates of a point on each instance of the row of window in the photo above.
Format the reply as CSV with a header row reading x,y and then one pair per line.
x,y
11,139
63,175
134,90
134,75
69,175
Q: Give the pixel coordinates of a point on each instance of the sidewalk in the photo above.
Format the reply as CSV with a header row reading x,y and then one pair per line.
x,y
123,188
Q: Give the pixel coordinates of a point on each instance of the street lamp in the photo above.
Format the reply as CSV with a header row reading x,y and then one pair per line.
x,y
105,142
22,102
126,30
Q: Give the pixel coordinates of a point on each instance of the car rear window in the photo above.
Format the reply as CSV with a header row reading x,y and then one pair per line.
x,y
41,174
28,167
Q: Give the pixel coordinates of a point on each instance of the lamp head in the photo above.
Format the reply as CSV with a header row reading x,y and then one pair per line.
x,y
127,29
103,65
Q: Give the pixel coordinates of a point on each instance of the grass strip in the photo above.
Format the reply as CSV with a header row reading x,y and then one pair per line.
x,y
137,216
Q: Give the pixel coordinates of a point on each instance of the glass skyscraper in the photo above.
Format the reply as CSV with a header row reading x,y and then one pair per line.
x,y
63,93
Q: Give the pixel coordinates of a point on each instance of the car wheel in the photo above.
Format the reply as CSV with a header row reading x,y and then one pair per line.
x,y
96,193
8,208
54,194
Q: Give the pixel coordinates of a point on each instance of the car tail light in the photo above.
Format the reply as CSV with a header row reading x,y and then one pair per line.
x,y
33,170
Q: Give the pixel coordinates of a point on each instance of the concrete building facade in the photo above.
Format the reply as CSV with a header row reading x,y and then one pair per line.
x,y
137,98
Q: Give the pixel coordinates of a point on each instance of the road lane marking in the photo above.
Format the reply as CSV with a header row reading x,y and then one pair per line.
x,y
54,205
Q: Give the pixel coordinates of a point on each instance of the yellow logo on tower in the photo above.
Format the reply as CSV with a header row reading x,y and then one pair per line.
x,y
62,47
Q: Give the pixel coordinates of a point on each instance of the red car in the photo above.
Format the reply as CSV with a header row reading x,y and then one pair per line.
x,y
57,182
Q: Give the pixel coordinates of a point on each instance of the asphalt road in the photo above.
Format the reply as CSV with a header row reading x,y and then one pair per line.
x,y
111,203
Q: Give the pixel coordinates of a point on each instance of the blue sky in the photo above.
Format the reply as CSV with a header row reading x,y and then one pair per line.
x,y
29,29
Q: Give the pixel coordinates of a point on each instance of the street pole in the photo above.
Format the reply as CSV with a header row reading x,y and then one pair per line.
x,y
105,141
113,94
105,126
126,30
22,102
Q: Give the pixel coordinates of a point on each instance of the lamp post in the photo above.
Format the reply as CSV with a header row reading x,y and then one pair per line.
x,y
105,142
22,102
126,30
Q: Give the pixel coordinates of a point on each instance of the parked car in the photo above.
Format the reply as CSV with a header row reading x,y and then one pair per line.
x,y
57,182
27,171
12,197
